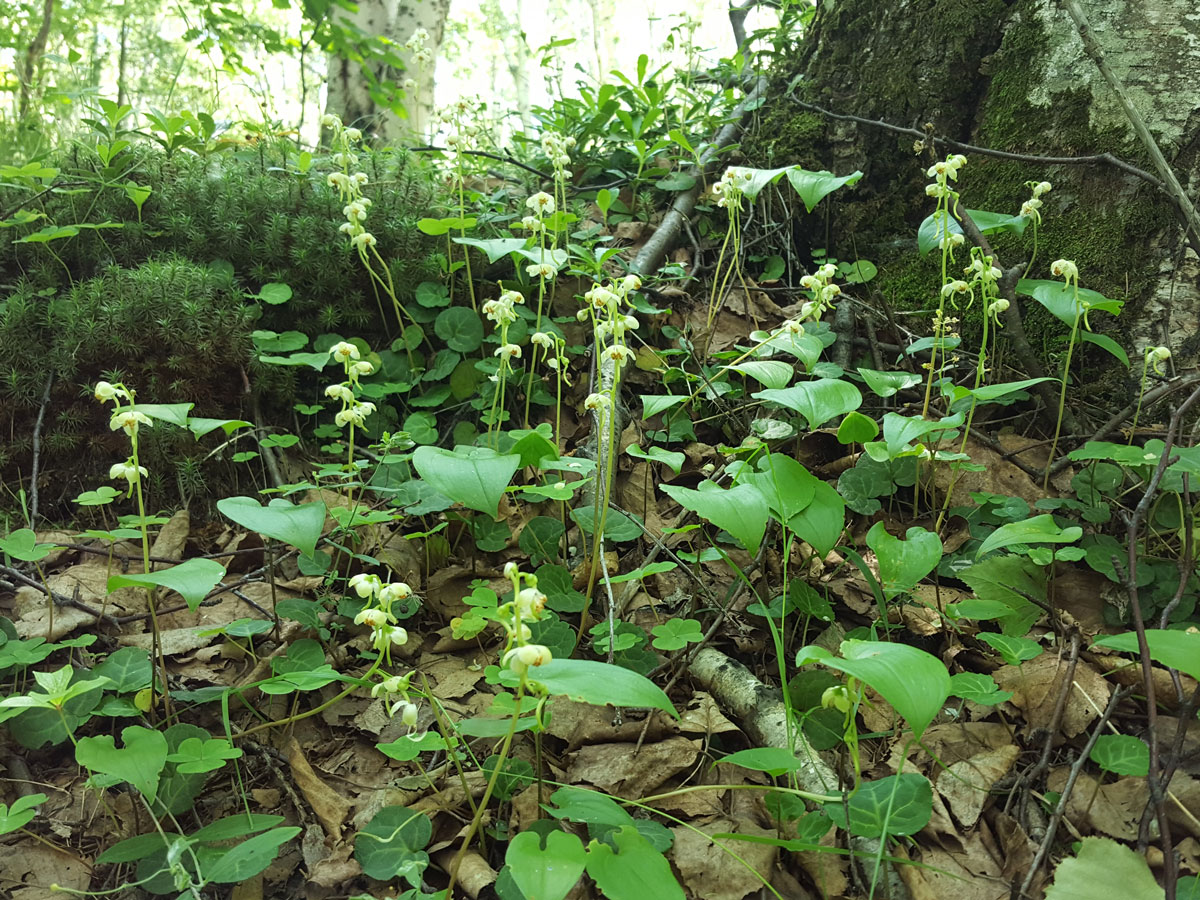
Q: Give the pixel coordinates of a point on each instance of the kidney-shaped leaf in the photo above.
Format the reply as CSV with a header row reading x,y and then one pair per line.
x,y
473,476
299,526
914,682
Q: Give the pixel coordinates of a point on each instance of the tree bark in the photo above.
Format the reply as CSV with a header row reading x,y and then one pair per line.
x,y
1008,75
33,59
349,80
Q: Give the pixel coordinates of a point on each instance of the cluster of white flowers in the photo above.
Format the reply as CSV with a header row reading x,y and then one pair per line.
x,y
553,351
377,614
354,412
557,147
129,420
1032,206
731,188
611,323
349,184
417,45
824,293
502,310
528,605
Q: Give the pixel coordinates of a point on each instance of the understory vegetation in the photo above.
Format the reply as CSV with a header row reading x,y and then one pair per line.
x,y
529,518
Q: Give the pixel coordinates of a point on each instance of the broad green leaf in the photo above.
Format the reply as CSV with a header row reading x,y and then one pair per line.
x,y
903,563
128,670
1038,530
1121,754
174,413
196,756
200,426
435,227
1173,649
675,634
771,373
1014,650
1061,300
891,806
914,682
599,683
392,845
496,248
300,526
21,812
460,327
634,872
476,477
775,761
741,510
139,762
250,857
814,186
996,391
653,404
1005,580
1104,868
818,401
822,521
930,232
22,544
1104,342
672,459
545,868
192,579
274,293
977,688
857,429
786,485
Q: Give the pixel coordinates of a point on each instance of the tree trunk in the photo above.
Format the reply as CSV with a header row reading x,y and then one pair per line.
x,y
33,60
1009,75
351,81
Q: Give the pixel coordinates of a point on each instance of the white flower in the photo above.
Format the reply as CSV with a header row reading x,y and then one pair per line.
x,y
630,323
532,223
520,659
330,121
541,203
423,57
510,570
541,339
409,84
827,271
530,603
366,585
128,420
600,297
810,282
998,306
508,351
349,227
1160,354
631,283
541,270
955,287
343,351
359,179
954,240
957,161
387,636
408,714
1042,187
362,368
376,618
809,310
619,353
829,292
596,401
364,240
1064,268
105,392
339,392
354,415
793,326
936,190
511,297
397,590
353,134
1030,207
339,180
128,471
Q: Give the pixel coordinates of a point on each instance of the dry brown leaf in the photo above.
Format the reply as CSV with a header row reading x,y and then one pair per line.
x,y
702,715
1000,477
38,866
330,807
708,871
965,784
1035,686
827,869
171,539
956,741
1114,809
580,724
629,771
969,873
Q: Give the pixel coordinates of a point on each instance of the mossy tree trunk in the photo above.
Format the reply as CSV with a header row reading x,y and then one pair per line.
x,y
1009,75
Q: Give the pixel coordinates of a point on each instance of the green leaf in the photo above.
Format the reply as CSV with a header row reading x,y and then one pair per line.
x,y
741,510
914,682
196,756
1038,530
977,688
473,476
21,813
818,401
200,426
653,404
128,669
857,429
250,857
771,373
274,293
460,328
814,186
1103,868
672,459
139,762
634,871
1014,650
1121,754
540,537
675,634
1174,649
896,805
545,869
775,761
990,392
903,563
1061,300
1005,579
191,579
22,544
822,521
300,526
601,684
435,227
174,413
392,845
1105,343
930,233
495,248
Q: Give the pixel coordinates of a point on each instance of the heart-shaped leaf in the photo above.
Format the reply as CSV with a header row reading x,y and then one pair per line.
x,y
473,476
545,872
903,563
818,401
741,510
139,762
192,579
